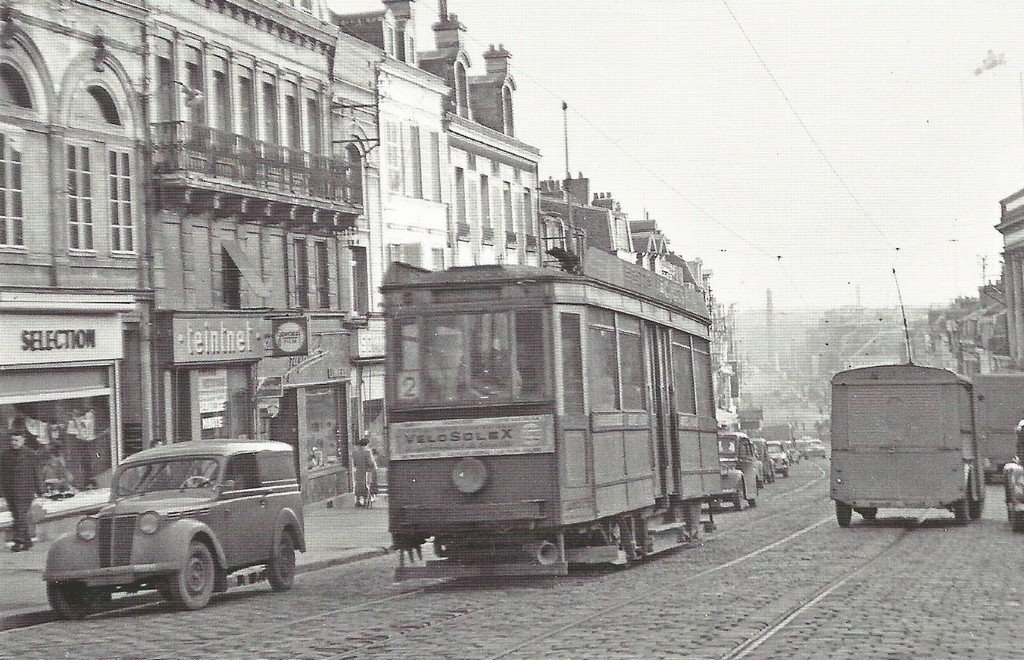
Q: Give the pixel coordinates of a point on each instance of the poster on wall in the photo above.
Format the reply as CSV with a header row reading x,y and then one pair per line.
x,y
212,398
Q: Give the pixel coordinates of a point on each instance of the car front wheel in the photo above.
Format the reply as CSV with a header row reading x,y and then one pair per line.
x,y
844,512
281,568
70,601
192,586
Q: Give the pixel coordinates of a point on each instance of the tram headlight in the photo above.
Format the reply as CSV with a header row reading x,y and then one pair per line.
x,y
86,528
469,475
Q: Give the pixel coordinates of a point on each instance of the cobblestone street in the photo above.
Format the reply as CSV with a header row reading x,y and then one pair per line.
x,y
780,579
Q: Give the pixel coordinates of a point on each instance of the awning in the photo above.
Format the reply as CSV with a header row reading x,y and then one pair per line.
x,y
248,269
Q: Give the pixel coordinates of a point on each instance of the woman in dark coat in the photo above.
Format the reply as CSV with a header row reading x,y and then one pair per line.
x,y
19,484
366,473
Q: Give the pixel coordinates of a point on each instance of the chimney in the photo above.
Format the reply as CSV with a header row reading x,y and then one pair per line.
x,y
402,9
496,59
579,188
447,32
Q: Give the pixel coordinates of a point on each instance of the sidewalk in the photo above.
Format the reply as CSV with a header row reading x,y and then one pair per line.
x,y
337,535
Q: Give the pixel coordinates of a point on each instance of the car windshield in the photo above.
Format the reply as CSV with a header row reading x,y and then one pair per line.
x,y
774,448
175,474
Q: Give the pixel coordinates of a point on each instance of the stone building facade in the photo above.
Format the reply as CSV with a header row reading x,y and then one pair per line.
x,y
75,250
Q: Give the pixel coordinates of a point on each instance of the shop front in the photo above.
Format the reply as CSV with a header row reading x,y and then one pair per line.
x,y
208,374
368,373
60,374
303,399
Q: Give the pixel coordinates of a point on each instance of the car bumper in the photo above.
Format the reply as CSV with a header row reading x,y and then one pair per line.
x,y
114,575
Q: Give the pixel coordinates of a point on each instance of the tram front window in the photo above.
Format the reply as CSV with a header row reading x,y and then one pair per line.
x,y
472,358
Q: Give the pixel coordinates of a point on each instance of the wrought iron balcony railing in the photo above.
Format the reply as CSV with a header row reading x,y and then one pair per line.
x,y
181,146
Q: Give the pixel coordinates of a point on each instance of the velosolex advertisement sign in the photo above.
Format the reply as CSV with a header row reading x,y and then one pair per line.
x,y
492,436
290,336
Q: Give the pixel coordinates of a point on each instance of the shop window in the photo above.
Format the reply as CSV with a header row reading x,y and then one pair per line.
x,y
13,90
325,426
572,365
682,366
221,403
603,362
12,215
72,437
122,225
244,471
80,221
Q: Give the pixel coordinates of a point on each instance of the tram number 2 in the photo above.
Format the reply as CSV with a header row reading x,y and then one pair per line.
x,y
408,385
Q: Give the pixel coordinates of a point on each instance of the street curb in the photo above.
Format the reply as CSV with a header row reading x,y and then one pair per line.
x,y
25,619
340,561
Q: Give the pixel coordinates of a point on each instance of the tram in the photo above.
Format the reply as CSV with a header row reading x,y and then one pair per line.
x,y
540,417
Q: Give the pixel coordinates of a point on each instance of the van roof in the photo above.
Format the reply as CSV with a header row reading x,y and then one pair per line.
x,y
902,374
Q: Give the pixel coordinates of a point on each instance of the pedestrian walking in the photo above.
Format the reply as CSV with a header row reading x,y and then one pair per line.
x,y
20,484
366,473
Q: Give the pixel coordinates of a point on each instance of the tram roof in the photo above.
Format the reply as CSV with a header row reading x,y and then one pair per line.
x,y
903,374
598,267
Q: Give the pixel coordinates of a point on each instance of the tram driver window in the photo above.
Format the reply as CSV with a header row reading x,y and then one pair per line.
x,y
603,361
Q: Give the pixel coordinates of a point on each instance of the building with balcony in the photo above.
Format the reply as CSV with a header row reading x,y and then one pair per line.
x,y
75,292
257,220
1011,226
494,174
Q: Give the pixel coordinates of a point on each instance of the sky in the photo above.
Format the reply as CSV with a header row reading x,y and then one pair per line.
x,y
806,147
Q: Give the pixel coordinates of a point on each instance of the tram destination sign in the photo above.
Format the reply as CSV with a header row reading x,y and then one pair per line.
x,y
488,436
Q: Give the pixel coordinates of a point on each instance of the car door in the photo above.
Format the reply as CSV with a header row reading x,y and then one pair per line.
x,y
241,513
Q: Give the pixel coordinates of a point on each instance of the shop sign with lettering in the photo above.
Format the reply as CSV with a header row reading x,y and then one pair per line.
x,y
289,336
42,338
215,339
491,436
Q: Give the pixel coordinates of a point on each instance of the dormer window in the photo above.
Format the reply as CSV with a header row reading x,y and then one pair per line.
x,y
506,111
461,91
389,41
410,50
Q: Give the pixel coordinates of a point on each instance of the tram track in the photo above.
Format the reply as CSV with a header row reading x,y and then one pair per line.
x,y
794,612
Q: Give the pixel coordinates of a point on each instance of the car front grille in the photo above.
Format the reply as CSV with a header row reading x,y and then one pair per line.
x,y
115,534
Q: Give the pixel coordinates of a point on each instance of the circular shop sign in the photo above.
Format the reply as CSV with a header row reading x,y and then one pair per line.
x,y
290,337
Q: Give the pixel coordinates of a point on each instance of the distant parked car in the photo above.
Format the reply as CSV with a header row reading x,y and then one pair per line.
x,y
780,459
739,469
181,519
792,451
767,464
815,449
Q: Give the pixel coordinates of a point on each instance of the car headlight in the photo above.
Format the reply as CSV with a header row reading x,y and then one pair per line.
x,y
149,522
86,528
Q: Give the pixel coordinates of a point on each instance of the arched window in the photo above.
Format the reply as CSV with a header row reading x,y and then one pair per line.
x,y
461,91
97,104
13,90
354,175
506,110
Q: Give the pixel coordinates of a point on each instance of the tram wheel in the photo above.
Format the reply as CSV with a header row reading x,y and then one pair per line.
x,y
974,509
844,512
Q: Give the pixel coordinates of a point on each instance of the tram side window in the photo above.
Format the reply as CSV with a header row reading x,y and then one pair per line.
x,y
572,364
631,361
530,352
682,366
702,377
603,361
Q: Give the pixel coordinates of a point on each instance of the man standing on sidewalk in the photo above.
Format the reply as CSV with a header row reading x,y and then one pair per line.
x,y
19,485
